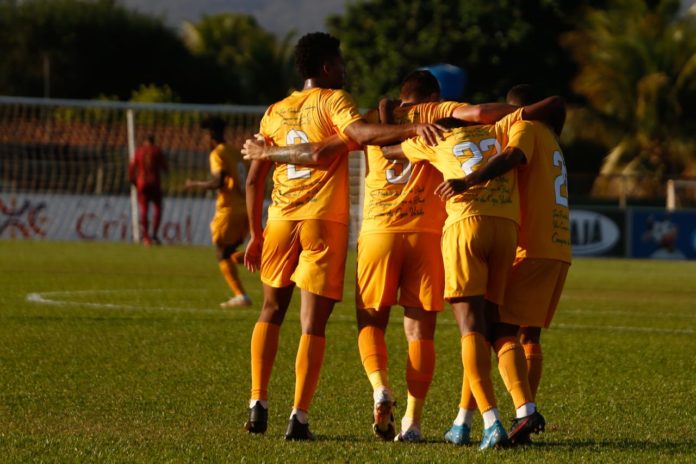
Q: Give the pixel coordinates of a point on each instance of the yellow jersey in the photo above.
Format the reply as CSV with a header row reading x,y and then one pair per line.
x,y
543,185
399,194
304,192
223,159
464,150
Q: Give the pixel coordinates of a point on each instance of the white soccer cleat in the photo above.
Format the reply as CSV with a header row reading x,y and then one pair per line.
x,y
237,302
411,435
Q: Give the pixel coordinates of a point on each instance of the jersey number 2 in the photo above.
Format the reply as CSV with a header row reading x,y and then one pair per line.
x,y
295,137
561,179
475,153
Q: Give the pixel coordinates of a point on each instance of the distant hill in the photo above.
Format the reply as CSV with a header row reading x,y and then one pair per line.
x,y
277,16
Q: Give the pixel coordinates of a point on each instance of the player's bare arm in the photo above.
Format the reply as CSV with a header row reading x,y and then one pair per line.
x,y
509,159
255,190
393,152
307,154
485,113
550,110
365,133
215,182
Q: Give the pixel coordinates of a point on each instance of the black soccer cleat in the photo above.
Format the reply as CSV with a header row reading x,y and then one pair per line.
x,y
298,431
258,419
523,427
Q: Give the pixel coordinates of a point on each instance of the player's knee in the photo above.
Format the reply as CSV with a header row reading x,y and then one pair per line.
x,y
530,335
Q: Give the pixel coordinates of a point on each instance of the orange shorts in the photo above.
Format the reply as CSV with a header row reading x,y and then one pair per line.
x,y
403,268
311,253
478,252
229,227
533,290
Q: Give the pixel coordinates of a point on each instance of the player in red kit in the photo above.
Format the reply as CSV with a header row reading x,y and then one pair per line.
x,y
144,172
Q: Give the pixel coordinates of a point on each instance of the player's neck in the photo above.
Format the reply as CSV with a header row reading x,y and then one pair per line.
x,y
315,83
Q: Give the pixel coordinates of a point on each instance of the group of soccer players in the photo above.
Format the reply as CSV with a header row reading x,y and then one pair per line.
x,y
463,203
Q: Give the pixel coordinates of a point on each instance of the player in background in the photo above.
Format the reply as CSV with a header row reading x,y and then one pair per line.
x,y
144,171
543,253
306,236
229,226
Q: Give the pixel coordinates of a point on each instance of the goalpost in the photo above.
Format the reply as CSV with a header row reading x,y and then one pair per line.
x,y
681,193
64,167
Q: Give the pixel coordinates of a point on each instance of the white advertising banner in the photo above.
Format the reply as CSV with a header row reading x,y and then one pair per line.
x,y
185,221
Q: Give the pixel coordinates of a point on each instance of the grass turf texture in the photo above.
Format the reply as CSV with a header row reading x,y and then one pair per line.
x,y
159,373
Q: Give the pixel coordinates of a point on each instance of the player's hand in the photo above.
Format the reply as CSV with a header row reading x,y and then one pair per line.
x,y
451,187
189,184
254,149
431,133
252,255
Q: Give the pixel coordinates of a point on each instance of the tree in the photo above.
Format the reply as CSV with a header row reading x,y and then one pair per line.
x,y
638,75
257,68
499,43
93,48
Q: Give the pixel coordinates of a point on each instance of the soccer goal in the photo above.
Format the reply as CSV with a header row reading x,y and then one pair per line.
x,y
681,193
64,167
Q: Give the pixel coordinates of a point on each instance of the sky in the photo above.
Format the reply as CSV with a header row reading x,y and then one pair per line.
x,y
276,16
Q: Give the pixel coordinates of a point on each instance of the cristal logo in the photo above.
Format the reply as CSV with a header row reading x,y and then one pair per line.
x,y
592,233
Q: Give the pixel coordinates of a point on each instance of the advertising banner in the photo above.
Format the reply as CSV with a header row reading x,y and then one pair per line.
x,y
596,231
660,234
185,221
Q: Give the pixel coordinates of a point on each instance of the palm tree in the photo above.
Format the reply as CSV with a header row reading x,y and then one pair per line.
x,y
638,75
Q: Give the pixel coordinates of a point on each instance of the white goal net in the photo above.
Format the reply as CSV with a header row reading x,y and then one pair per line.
x,y
64,167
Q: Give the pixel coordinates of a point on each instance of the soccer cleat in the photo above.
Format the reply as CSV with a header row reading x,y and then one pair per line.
x,y
237,302
411,435
383,425
459,435
522,427
494,437
258,419
298,431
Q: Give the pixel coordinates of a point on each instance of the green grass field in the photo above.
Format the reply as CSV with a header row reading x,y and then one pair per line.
x,y
117,353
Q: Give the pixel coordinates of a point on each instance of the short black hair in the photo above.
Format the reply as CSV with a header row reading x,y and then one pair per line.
x,y
451,123
216,125
419,85
521,95
313,50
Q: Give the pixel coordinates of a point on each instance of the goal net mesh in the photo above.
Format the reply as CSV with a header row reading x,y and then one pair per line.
x,y
78,148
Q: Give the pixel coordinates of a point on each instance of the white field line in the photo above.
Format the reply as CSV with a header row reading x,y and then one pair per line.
x,y
53,299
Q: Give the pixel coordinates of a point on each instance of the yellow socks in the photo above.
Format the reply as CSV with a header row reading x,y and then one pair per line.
x,y
535,358
264,346
373,353
513,370
419,375
467,400
310,357
476,358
